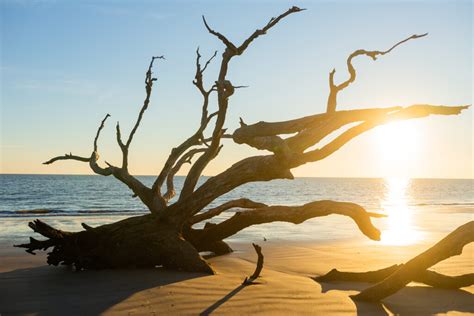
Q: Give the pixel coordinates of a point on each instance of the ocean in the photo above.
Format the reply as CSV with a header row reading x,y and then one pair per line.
x,y
415,207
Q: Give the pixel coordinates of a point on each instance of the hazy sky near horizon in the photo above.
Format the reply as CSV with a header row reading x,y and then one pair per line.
x,y
65,64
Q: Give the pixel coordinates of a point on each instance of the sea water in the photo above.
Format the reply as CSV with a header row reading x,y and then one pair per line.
x,y
415,207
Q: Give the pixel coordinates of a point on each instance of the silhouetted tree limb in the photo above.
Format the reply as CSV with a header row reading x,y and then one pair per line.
x,y
239,203
427,277
186,158
166,236
258,269
197,137
78,158
293,214
69,156
411,112
449,246
149,79
335,89
224,90
138,188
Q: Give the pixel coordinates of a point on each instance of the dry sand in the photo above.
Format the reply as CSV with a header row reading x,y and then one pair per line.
x,y
28,286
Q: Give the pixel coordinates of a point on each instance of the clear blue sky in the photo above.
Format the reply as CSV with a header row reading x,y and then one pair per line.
x,y
64,64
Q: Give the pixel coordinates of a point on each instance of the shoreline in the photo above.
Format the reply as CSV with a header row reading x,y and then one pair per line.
x,y
29,286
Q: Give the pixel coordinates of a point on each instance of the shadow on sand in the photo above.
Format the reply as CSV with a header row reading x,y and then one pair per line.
x,y
411,300
41,291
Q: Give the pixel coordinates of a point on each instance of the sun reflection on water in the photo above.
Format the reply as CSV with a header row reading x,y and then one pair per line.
x,y
400,229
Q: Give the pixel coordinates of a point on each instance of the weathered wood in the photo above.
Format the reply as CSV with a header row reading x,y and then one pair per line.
x,y
449,246
136,242
293,214
258,269
213,212
427,277
166,237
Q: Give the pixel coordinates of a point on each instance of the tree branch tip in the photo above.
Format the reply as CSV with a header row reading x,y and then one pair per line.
x,y
297,9
205,23
377,215
419,35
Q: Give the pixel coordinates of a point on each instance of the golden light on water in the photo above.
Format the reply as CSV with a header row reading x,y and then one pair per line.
x,y
400,229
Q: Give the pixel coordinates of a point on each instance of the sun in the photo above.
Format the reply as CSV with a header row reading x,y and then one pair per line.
x,y
398,146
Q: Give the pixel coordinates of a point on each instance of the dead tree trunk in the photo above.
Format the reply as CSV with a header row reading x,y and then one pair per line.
x,y
394,278
167,236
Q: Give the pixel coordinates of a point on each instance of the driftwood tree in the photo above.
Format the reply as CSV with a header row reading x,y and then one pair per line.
x,y
166,236
391,279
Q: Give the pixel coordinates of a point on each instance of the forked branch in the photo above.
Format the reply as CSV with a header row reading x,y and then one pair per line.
x,y
335,89
213,212
186,158
149,79
197,138
225,89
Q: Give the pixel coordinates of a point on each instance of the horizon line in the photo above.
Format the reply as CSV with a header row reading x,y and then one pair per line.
x,y
208,176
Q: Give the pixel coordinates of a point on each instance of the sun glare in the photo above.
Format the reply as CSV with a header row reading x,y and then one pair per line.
x,y
398,148
400,228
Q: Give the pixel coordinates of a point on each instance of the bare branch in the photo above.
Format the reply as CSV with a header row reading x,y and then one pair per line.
x,y
449,246
427,277
240,203
225,89
223,39
148,88
292,214
186,158
69,156
250,280
270,24
411,112
265,168
194,139
335,89
98,131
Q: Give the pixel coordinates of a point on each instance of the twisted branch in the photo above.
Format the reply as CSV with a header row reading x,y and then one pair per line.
x,y
197,137
225,89
293,214
335,89
186,158
240,203
148,88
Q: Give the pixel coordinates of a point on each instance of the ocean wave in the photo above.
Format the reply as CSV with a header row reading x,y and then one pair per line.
x,y
445,204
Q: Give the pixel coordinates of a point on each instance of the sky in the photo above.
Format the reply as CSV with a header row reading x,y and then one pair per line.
x,y
65,64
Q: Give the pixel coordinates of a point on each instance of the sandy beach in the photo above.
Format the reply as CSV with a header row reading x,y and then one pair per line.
x,y
29,287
